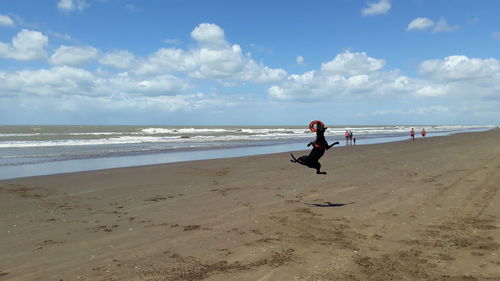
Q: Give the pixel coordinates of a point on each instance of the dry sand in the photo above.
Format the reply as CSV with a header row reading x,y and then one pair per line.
x,y
422,210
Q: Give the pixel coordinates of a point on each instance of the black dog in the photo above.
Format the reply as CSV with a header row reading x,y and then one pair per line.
x,y
320,145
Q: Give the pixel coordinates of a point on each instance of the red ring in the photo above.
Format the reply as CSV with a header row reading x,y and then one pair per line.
x,y
313,126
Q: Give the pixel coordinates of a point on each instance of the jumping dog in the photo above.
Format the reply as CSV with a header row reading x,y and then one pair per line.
x,y
320,145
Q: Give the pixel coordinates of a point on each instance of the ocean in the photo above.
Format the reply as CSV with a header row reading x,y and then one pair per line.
x,y
41,150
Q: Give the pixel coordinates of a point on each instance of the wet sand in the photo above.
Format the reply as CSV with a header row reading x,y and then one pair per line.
x,y
413,210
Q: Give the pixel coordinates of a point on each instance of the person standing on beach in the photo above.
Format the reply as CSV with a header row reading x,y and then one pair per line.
x,y
423,133
346,137
412,134
350,136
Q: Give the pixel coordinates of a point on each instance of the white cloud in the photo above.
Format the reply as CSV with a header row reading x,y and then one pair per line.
x,y
209,33
159,104
6,21
299,60
65,80
72,5
377,8
425,23
73,89
259,73
461,68
62,36
351,76
224,62
153,86
65,4
26,45
167,79
495,35
420,24
57,81
73,56
118,59
431,91
352,64
443,26
212,58
433,109
322,85
165,60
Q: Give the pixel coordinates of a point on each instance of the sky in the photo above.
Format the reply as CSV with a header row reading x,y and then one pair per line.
x,y
272,62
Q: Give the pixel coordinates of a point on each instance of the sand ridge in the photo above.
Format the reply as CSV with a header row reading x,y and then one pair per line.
x,y
412,210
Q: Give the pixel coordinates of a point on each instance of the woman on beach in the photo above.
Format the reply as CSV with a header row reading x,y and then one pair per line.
x,y
423,133
412,134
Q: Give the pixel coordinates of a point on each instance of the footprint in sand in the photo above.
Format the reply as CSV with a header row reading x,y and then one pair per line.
x,y
158,198
105,228
192,227
48,242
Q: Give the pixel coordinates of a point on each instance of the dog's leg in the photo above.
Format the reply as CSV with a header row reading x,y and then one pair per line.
x,y
318,168
301,160
304,160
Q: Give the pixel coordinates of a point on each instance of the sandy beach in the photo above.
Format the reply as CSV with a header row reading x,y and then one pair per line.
x,y
413,210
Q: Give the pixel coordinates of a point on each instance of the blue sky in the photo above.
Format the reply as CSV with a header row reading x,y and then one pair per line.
x,y
181,62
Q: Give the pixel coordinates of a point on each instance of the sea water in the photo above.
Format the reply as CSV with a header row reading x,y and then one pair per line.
x,y
41,150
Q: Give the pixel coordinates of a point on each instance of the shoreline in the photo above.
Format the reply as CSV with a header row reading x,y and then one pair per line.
x,y
408,210
137,160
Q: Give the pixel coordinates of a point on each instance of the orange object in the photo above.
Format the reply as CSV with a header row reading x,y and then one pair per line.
x,y
313,126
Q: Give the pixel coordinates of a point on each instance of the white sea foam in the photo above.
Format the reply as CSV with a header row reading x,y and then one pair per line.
x,y
273,131
183,130
83,142
60,134
94,134
172,136
19,135
136,139
153,131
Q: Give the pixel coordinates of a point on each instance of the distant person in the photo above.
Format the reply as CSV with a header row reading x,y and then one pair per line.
x,y
354,140
412,134
423,133
350,135
346,136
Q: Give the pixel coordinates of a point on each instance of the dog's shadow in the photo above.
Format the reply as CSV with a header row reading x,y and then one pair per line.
x,y
328,204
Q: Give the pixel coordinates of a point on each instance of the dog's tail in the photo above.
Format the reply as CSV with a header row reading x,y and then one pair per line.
x,y
294,159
